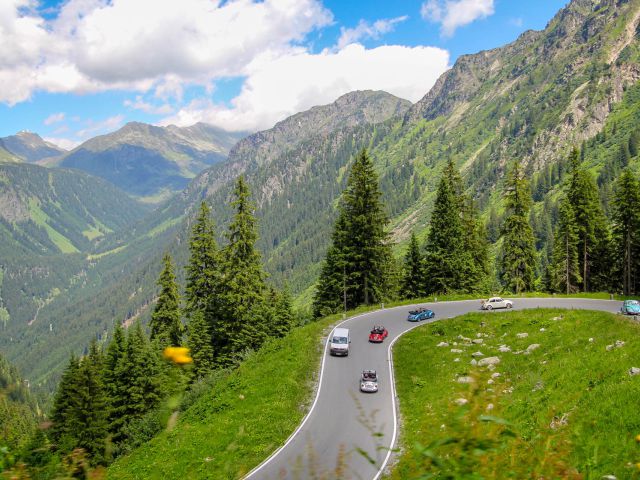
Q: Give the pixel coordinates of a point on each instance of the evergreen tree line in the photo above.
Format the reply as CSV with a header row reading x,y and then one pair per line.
x,y
229,309
567,247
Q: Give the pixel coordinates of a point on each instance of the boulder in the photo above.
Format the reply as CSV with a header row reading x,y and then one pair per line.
x,y
465,380
456,359
634,371
474,362
489,361
504,348
477,354
456,350
461,401
496,375
477,341
442,344
533,347
610,347
619,343
522,335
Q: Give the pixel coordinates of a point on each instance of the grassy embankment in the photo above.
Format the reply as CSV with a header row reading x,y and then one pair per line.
x,y
240,417
568,409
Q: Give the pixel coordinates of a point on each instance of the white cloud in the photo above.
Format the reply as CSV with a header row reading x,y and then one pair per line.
x,y
366,30
93,127
277,87
97,45
65,143
451,14
54,118
140,104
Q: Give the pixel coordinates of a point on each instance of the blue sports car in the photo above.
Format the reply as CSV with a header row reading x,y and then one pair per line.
x,y
420,314
630,307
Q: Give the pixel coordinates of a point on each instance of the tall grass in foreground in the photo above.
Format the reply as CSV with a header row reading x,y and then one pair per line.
x,y
567,409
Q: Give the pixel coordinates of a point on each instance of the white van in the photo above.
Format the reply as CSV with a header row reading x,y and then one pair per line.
x,y
340,341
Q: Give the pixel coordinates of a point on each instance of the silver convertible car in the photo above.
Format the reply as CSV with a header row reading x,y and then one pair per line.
x,y
369,381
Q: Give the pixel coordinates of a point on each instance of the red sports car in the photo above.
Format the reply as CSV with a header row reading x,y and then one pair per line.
x,y
378,334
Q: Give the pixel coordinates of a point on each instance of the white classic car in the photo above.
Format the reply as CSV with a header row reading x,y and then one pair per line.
x,y
495,302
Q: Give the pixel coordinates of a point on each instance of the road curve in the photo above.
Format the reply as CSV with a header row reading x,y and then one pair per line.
x,y
342,421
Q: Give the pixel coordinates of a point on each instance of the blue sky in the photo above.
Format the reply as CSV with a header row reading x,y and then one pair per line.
x,y
75,69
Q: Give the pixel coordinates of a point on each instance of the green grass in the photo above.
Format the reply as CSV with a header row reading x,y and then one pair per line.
x,y
92,232
567,376
245,416
41,218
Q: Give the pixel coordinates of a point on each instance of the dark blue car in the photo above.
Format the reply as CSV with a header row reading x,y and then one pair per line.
x,y
420,314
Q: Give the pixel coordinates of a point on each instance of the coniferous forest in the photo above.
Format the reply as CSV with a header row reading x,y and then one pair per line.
x,y
517,174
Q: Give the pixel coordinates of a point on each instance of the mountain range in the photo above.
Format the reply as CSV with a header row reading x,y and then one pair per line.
x,y
575,83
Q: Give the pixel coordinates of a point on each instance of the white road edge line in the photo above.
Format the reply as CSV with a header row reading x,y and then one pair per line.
x,y
393,389
306,417
393,397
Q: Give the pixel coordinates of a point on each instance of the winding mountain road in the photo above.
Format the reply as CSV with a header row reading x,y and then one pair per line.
x,y
354,431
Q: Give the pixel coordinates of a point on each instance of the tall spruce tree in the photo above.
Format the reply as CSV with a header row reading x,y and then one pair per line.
x,y
359,264
566,268
89,406
476,249
65,429
445,256
142,371
165,320
413,280
199,342
203,269
115,382
626,230
519,255
237,323
585,203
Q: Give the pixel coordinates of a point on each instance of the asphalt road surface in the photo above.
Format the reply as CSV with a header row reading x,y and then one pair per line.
x,y
356,431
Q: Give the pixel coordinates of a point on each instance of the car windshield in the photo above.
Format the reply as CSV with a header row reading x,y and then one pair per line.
x,y
635,303
340,340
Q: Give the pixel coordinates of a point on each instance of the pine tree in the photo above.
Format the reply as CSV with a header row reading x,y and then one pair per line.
x,y
585,203
476,249
199,342
203,270
359,267
626,229
115,382
237,322
445,260
142,371
519,256
65,429
89,406
165,320
413,281
284,318
566,268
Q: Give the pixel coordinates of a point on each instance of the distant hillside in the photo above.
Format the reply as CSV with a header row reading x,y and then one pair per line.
x,y
120,281
151,162
30,147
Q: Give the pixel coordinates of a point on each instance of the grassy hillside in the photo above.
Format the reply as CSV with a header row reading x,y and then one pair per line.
x,y
239,418
566,409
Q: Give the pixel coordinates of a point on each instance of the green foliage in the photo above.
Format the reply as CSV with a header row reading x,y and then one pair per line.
x,y
561,411
566,268
203,269
519,257
626,231
165,323
360,255
237,324
199,343
413,281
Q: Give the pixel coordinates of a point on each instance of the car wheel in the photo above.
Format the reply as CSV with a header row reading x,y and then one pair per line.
x,y
489,307
509,305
